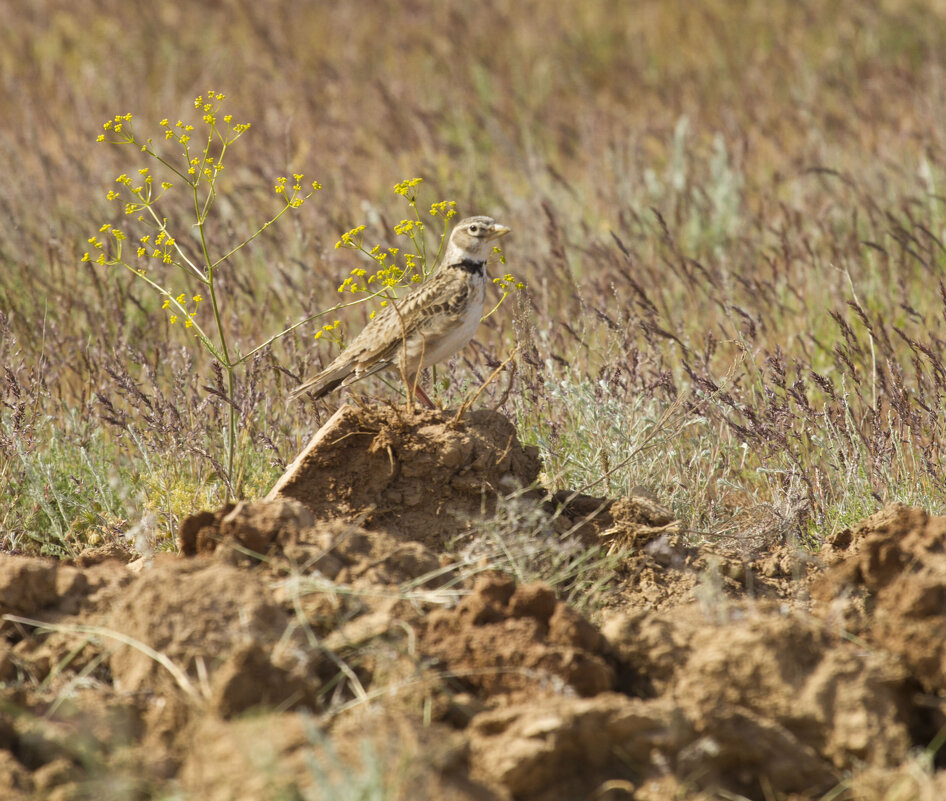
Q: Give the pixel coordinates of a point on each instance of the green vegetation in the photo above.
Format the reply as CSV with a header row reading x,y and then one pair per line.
x,y
729,217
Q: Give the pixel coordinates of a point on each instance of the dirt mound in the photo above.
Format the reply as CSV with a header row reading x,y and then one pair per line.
x,y
420,476
296,652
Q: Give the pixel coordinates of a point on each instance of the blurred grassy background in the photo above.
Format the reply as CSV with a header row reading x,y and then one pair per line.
x,y
730,216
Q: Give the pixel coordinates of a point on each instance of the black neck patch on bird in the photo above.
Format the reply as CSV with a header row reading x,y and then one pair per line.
x,y
470,266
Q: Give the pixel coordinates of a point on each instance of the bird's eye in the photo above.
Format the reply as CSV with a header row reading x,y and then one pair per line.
x,y
474,229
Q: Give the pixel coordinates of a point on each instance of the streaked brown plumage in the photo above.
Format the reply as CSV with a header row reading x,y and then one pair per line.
x,y
436,319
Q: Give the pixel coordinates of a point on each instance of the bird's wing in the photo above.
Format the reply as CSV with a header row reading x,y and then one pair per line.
x,y
380,339
378,344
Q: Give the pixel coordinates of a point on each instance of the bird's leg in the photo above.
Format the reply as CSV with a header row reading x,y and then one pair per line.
x,y
419,392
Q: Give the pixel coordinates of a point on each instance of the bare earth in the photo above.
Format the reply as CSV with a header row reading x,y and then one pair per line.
x,y
348,636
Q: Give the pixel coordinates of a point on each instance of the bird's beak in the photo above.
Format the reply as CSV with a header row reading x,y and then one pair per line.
x,y
498,231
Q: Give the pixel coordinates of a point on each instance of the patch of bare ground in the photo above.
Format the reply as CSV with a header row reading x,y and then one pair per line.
x,y
332,637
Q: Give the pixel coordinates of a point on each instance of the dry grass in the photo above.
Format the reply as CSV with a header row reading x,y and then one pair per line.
x,y
738,207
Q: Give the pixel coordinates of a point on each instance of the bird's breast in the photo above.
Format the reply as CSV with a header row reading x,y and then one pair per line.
x,y
462,326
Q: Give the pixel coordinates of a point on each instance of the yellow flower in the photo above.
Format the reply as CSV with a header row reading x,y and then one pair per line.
x,y
444,208
404,187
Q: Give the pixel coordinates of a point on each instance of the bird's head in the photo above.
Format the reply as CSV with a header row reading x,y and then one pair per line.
x,y
472,239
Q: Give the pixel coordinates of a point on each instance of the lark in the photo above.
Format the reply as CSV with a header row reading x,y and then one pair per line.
x,y
426,326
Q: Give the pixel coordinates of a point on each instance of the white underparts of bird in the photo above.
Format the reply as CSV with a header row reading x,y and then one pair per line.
x,y
428,325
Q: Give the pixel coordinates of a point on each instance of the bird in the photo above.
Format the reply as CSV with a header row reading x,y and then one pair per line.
x,y
426,326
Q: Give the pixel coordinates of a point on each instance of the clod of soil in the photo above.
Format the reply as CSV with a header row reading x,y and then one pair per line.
x,y
503,638
895,562
217,622
563,747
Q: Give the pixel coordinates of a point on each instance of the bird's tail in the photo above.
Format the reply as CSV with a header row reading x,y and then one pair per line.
x,y
323,383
